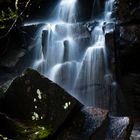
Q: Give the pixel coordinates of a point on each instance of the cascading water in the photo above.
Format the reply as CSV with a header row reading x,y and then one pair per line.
x,y
92,85
82,72
66,10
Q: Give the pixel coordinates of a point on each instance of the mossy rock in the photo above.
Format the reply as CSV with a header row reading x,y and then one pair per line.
x,y
37,102
11,128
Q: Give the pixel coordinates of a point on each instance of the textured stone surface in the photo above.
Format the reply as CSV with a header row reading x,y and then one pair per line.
x,y
126,10
117,129
84,124
34,99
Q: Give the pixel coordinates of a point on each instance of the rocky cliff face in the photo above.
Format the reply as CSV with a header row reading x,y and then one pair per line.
x,y
124,48
127,42
125,10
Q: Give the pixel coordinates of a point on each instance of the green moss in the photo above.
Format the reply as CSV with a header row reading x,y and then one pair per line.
x,y
34,132
8,15
20,131
40,133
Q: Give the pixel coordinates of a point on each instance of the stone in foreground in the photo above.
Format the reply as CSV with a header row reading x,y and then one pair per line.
x,y
84,124
117,129
34,100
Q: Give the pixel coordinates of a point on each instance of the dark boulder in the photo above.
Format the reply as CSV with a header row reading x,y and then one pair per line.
x,y
117,129
35,100
17,51
84,124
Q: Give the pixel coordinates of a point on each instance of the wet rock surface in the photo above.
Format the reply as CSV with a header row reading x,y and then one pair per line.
x,y
117,128
76,29
80,32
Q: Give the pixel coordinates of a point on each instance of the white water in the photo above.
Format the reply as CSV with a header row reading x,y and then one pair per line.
x,y
82,72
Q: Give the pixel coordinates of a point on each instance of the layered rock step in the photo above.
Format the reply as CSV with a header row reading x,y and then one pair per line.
x,y
67,35
15,59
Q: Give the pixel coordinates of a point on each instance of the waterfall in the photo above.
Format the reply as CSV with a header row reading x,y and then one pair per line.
x,y
66,10
82,71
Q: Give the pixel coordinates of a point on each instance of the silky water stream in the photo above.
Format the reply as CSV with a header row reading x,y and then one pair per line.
x,y
80,68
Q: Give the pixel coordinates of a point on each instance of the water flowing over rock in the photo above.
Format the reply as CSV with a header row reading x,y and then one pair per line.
x,y
73,54
94,57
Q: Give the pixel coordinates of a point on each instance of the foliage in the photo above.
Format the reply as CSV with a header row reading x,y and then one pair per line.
x,y
15,8
8,15
34,133
39,133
